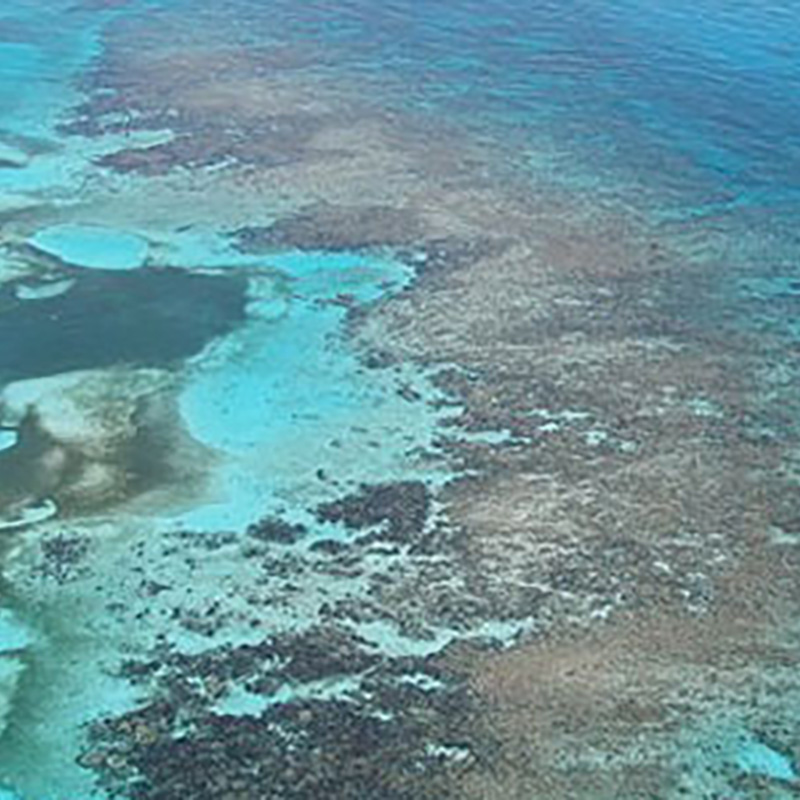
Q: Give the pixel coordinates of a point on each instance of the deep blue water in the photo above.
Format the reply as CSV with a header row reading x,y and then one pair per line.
x,y
667,93
685,113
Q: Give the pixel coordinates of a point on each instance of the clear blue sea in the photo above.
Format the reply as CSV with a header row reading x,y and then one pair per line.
x,y
172,376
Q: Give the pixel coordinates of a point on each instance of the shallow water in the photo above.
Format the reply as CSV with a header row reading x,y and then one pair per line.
x,y
209,212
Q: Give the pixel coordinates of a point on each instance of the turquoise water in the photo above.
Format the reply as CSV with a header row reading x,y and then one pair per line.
x,y
87,246
159,377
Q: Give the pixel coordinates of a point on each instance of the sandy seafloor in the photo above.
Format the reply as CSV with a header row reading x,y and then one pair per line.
x,y
399,400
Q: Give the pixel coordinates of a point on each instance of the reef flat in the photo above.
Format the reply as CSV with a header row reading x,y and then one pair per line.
x,y
354,444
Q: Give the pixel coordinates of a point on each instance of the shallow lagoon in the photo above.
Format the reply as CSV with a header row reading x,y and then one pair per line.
x,y
92,246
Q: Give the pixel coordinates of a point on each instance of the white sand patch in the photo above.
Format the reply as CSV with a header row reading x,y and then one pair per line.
x,y
91,410
43,291
24,514
92,246
8,439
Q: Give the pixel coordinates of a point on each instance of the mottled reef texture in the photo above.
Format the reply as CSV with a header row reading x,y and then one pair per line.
x,y
637,513
304,749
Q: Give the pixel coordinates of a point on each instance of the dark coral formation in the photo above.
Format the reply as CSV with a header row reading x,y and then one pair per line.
x,y
272,529
401,509
319,653
62,555
298,752
386,737
335,228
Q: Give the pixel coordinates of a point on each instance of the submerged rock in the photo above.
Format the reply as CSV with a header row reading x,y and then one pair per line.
x,y
395,738
61,555
401,508
272,529
327,227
